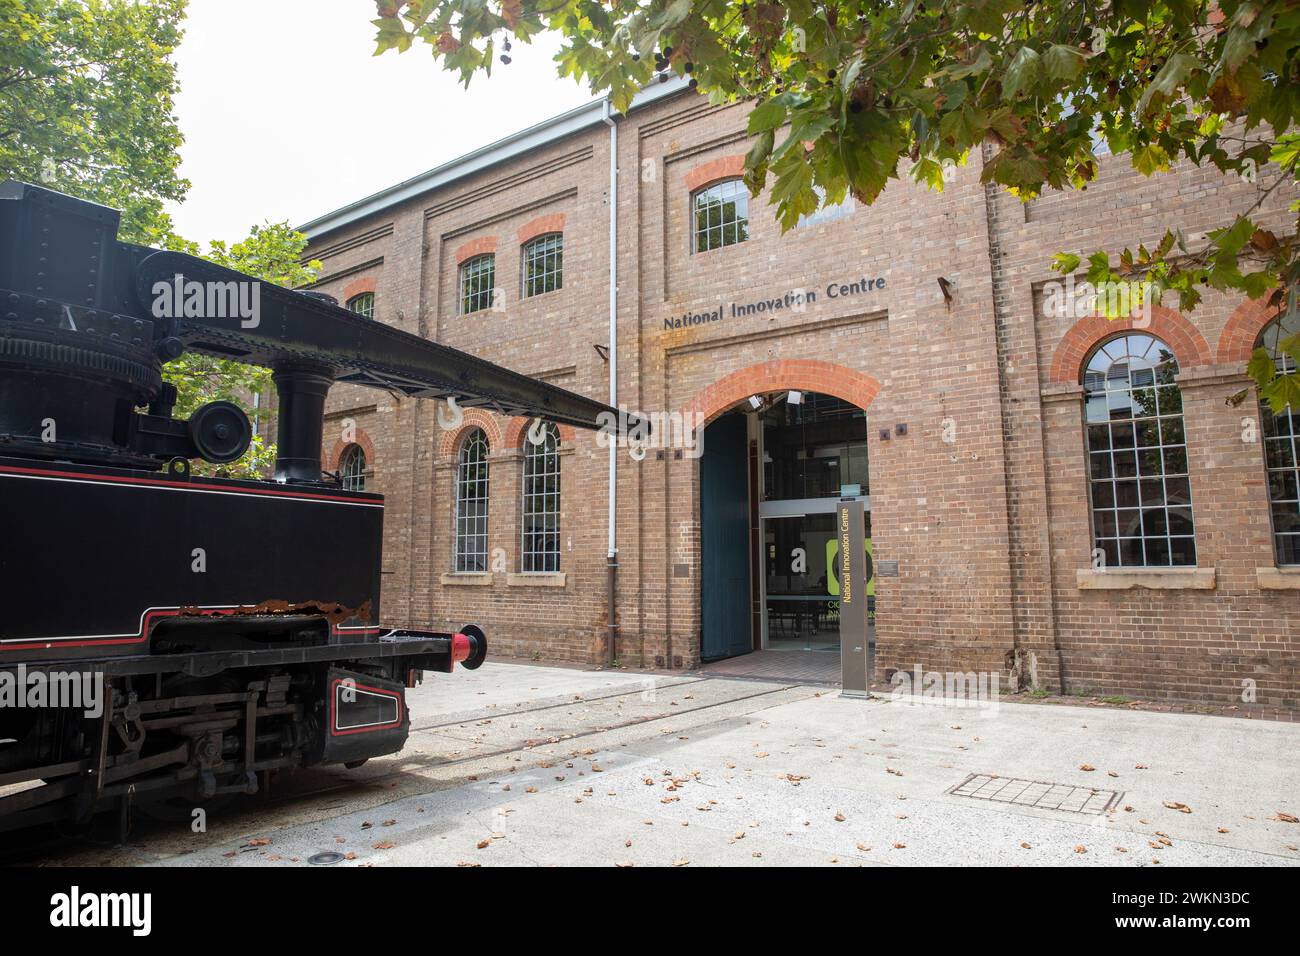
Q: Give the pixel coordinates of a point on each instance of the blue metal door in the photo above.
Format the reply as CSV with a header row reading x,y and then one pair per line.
x,y
724,517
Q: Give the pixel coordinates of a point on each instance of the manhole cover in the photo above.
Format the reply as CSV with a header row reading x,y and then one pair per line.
x,y
1035,793
329,856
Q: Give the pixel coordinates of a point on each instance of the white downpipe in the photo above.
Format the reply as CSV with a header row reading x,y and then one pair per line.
x,y
613,322
611,559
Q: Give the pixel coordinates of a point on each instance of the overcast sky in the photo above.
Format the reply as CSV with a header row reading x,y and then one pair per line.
x,y
287,114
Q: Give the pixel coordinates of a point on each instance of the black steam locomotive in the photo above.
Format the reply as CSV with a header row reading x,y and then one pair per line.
x,y
216,630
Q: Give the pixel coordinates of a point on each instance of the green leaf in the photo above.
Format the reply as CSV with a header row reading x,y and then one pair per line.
x,y
767,116
1232,240
981,64
1025,68
1150,159
965,126
1063,62
1167,81
1098,267
760,150
1282,391
1261,367
390,35
676,12
1065,263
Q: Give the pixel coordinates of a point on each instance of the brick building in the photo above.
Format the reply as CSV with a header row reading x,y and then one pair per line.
x,y
1050,495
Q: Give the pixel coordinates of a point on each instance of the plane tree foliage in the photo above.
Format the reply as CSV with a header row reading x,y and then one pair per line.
x,y
849,95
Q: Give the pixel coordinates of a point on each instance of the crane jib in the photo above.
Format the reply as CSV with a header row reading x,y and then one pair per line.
x,y
220,312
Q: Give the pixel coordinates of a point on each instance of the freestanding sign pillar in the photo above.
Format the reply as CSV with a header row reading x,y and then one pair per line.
x,y
854,650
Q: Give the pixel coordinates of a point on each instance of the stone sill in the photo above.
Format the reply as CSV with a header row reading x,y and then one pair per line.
x,y
1156,579
1278,579
467,578
536,579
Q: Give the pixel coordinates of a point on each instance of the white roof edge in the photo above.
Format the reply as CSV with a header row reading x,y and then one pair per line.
x,y
516,144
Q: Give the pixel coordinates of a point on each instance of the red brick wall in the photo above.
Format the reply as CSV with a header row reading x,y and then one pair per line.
x,y
989,529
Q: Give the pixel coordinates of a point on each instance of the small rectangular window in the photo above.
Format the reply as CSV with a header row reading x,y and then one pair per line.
x,y
477,283
543,265
363,304
721,215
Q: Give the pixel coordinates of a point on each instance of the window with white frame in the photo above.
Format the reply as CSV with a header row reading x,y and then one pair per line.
x,y
1282,444
1137,450
541,502
721,215
543,264
471,525
363,304
352,468
478,279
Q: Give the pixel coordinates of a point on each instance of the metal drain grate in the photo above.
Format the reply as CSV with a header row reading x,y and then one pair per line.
x,y
1035,793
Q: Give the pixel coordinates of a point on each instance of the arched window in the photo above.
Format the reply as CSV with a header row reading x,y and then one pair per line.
x,y
541,506
543,264
721,214
1282,447
478,281
1137,450
472,503
352,468
363,304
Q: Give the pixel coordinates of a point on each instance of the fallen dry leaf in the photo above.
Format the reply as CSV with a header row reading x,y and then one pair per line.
x,y
1087,766
383,845
1286,818
1180,807
1080,849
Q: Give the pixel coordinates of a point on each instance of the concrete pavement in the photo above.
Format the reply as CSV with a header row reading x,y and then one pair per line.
x,y
527,765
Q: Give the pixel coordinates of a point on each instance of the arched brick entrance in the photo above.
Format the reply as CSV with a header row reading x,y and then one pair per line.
x,y
768,609
805,375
